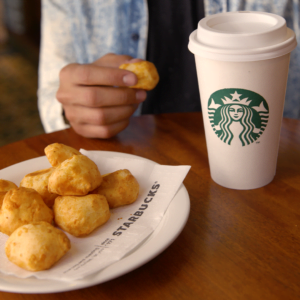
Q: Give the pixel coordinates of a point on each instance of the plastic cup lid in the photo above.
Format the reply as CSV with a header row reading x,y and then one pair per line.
x,y
242,36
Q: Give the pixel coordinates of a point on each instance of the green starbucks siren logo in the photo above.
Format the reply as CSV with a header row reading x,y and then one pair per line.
x,y
238,114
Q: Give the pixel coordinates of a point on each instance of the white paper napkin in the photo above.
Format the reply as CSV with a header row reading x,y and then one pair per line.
x,y
126,229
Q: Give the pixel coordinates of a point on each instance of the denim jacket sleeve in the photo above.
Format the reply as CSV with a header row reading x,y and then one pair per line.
x,y
83,31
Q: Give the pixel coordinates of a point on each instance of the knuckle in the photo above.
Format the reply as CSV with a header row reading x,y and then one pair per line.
x,y
78,72
61,96
107,132
90,97
100,117
83,73
109,54
79,129
105,58
69,115
64,73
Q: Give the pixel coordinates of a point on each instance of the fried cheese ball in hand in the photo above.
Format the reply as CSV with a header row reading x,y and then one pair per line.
x,y
57,153
146,73
22,206
80,215
36,246
39,181
76,176
119,188
6,185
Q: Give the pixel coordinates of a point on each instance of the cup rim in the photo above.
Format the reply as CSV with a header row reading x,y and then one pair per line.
x,y
263,53
285,39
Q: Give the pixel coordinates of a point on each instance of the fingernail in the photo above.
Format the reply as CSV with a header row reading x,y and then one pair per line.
x,y
140,95
129,79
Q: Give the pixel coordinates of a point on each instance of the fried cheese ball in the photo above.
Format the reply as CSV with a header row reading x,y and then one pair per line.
x,y
120,188
76,176
80,215
39,181
36,246
57,153
146,73
6,185
23,206
2,195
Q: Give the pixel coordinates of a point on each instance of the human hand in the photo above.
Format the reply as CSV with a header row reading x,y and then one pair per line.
x,y
96,97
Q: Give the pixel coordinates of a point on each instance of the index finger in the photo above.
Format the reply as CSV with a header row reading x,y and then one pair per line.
x,y
91,74
114,60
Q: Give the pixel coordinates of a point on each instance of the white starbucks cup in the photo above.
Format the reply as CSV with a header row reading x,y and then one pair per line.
x,y
242,61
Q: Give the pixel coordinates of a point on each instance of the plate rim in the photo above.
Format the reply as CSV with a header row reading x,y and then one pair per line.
x,y
29,285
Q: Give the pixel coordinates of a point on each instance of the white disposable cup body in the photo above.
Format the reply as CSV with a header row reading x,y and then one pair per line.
x,y
250,166
242,62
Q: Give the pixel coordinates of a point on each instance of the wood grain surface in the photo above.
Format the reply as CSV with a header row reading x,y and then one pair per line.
x,y
235,245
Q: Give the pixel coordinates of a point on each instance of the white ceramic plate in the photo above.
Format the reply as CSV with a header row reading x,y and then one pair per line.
x,y
168,230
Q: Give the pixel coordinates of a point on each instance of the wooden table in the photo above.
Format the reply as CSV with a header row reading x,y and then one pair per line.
x,y
236,244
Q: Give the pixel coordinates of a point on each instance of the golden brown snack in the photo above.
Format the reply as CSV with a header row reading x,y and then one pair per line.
x,y
146,73
22,206
6,185
77,176
39,181
57,153
119,188
37,246
2,195
80,215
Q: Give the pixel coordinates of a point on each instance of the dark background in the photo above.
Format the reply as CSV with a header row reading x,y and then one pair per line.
x,y
19,54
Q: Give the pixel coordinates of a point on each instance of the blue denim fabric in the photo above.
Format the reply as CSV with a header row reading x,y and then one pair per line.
x,y
84,30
